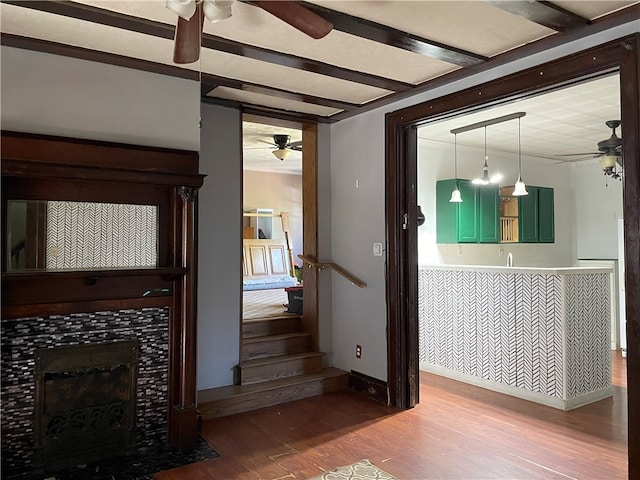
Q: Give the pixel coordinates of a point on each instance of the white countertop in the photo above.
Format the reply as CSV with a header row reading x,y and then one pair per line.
x,y
518,270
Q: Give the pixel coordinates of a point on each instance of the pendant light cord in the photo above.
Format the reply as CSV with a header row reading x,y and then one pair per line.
x,y
519,153
455,157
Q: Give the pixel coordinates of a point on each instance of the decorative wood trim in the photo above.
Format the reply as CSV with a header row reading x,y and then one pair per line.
x,y
55,150
183,415
371,387
310,231
65,308
46,287
622,55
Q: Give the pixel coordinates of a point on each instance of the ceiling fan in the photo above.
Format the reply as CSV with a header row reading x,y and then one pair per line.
x,y
285,146
609,151
191,14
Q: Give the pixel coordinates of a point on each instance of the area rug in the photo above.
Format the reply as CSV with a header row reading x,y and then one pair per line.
x,y
362,470
140,466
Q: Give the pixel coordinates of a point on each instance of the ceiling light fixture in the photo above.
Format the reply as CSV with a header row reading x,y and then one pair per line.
x,y
281,153
455,195
486,179
214,10
520,188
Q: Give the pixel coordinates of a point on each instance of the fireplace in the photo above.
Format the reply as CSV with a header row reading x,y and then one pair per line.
x,y
85,403
72,347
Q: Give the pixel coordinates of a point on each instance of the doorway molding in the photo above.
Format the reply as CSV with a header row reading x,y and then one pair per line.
x,y
621,55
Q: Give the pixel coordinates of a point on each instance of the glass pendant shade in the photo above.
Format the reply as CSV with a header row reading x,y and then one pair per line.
x,y
455,196
281,153
520,188
608,161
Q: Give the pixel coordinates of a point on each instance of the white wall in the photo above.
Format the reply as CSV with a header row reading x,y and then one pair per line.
x,y
435,162
219,246
597,208
55,95
357,152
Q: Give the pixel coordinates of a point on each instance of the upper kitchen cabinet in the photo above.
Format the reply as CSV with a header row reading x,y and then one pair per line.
x,y
474,220
536,216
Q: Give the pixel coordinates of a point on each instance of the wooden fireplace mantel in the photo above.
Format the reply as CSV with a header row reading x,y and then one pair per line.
x,y
39,167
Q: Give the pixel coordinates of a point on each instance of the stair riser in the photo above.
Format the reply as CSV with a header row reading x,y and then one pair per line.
x,y
278,346
286,368
246,403
270,327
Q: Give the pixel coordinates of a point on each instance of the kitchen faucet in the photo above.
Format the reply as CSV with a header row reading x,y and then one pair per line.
x,y
510,260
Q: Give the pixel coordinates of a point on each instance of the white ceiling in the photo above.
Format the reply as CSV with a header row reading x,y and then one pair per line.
x,y
257,147
564,121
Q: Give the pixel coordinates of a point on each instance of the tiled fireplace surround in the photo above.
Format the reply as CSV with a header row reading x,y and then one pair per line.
x,y
20,338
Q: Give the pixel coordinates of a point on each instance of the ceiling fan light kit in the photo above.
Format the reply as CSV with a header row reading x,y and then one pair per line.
x,y
609,152
281,153
191,14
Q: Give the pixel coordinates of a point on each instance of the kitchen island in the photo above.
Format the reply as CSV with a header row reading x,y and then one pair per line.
x,y
542,334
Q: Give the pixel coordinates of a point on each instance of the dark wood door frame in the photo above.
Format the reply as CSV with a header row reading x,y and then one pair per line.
x,y
621,55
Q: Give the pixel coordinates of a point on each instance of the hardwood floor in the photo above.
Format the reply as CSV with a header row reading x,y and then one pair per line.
x,y
457,431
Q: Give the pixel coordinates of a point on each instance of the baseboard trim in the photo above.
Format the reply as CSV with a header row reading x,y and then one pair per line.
x,y
370,386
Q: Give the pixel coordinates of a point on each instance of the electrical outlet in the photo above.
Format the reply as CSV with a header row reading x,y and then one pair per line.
x,y
358,351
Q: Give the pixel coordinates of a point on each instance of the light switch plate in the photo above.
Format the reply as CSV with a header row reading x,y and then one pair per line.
x,y
377,249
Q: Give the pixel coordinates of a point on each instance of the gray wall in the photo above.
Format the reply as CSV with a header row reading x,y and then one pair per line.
x,y
55,95
219,246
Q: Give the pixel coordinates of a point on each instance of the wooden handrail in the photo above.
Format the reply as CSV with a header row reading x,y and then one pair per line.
x,y
336,268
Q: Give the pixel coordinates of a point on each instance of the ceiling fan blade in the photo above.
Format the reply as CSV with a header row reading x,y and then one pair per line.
x,y
297,146
297,16
595,154
186,46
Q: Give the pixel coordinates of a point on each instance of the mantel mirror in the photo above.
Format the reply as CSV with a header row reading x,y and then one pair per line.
x,y
70,235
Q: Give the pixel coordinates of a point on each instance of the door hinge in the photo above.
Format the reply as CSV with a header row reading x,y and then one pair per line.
x,y
405,221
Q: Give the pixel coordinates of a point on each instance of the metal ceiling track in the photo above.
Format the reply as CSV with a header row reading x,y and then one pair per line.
x,y
486,123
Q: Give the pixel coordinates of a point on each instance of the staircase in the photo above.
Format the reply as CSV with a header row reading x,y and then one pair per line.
x,y
278,365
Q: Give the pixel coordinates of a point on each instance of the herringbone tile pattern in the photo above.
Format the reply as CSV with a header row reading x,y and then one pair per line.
x,y
101,235
501,327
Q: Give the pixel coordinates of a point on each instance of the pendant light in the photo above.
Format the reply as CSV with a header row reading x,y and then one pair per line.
x,y
520,188
455,195
485,179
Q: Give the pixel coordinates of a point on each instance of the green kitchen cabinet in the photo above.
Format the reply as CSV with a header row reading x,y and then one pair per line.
x,y
474,220
536,215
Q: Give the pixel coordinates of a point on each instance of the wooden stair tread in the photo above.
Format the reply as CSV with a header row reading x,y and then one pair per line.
x,y
283,316
278,358
267,338
221,393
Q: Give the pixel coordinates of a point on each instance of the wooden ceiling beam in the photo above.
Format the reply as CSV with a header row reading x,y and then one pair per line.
x,y
210,82
543,13
377,32
90,13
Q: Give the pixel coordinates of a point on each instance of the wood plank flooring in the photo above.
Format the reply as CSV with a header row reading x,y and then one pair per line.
x,y
457,431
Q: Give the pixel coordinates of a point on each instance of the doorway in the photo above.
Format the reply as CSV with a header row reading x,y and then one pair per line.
x,y
401,198
286,187
272,217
